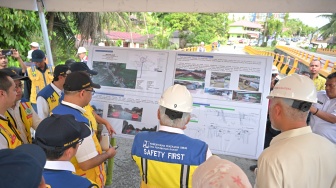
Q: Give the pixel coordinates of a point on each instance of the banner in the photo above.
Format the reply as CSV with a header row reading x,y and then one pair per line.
x,y
229,94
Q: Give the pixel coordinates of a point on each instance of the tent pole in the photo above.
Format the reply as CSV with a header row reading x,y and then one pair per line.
x,y
40,8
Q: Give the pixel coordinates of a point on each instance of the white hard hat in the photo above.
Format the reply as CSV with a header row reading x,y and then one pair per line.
x,y
34,44
81,50
295,87
30,54
202,42
274,70
101,44
178,98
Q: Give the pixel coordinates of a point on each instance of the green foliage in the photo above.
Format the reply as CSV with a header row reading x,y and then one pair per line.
x,y
18,29
196,27
274,42
329,29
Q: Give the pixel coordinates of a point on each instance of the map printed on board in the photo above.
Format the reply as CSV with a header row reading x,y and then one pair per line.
x,y
229,93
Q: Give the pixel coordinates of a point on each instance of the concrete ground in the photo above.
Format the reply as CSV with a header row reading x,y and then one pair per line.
x,y
126,173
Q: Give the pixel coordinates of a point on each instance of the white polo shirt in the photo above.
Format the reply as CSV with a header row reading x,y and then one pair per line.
x,y
319,126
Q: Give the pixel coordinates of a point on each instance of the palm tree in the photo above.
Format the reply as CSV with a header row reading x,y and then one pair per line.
x,y
329,29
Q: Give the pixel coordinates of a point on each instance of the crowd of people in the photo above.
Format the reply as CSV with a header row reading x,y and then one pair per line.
x,y
65,149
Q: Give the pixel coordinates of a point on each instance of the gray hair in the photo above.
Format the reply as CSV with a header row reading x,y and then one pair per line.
x,y
289,111
177,123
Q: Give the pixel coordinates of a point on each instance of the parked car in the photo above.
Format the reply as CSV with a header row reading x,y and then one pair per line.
x,y
241,40
229,42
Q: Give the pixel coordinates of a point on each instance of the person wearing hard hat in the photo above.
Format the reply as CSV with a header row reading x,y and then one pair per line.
x,y
201,47
323,113
33,46
168,158
81,53
297,157
275,78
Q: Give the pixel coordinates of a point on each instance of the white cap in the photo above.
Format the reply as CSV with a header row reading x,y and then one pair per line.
x,y
178,98
202,43
274,70
297,87
101,44
30,54
34,44
81,50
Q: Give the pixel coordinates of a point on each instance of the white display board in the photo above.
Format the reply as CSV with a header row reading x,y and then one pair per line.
x,y
229,94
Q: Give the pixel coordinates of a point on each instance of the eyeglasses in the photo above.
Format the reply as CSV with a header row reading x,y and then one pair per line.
x,y
92,91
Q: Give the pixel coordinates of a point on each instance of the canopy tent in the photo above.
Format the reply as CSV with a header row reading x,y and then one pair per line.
x,y
236,6
211,6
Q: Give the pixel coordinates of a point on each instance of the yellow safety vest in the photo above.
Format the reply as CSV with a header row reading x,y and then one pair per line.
x,y
26,115
10,133
153,170
96,174
89,115
53,101
39,80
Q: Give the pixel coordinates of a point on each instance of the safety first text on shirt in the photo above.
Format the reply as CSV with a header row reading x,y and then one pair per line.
x,y
169,152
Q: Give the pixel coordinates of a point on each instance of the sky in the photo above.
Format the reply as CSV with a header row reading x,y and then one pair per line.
x,y
310,19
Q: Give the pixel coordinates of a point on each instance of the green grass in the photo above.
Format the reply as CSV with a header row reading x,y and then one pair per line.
x,y
269,49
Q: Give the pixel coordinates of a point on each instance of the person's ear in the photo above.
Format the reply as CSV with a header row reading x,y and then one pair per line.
x,y
158,114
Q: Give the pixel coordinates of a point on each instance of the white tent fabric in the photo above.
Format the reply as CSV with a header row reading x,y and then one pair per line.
x,y
236,6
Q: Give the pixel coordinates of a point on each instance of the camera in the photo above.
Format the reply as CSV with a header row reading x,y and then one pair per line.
x,y
7,52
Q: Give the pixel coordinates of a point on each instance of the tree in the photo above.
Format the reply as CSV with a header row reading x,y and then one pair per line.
x,y
18,29
329,29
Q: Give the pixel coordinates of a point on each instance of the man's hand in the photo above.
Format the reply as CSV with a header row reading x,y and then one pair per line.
x,y
15,54
109,128
111,152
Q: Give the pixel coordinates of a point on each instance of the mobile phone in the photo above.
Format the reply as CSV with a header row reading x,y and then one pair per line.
x,y
6,52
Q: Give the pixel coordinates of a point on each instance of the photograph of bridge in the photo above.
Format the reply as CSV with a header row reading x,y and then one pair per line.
x,y
114,75
220,80
192,75
249,82
120,112
222,94
190,85
246,96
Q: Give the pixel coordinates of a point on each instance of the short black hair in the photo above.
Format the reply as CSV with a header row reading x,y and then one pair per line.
x,y
5,83
332,75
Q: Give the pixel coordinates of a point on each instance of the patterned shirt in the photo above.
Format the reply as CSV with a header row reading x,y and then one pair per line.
x,y
319,83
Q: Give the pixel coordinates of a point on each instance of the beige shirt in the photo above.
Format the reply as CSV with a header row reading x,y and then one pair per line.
x,y
297,159
20,126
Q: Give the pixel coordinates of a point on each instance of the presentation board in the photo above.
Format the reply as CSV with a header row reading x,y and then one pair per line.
x,y
229,94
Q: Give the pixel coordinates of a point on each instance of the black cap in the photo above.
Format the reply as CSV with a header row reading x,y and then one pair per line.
x,y
61,70
59,132
13,74
38,56
81,66
22,166
69,62
76,81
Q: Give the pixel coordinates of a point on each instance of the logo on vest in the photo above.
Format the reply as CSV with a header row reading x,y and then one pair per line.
x,y
160,150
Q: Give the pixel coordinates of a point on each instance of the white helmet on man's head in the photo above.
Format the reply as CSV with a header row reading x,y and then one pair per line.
x,y
178,98
274,70
296,87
